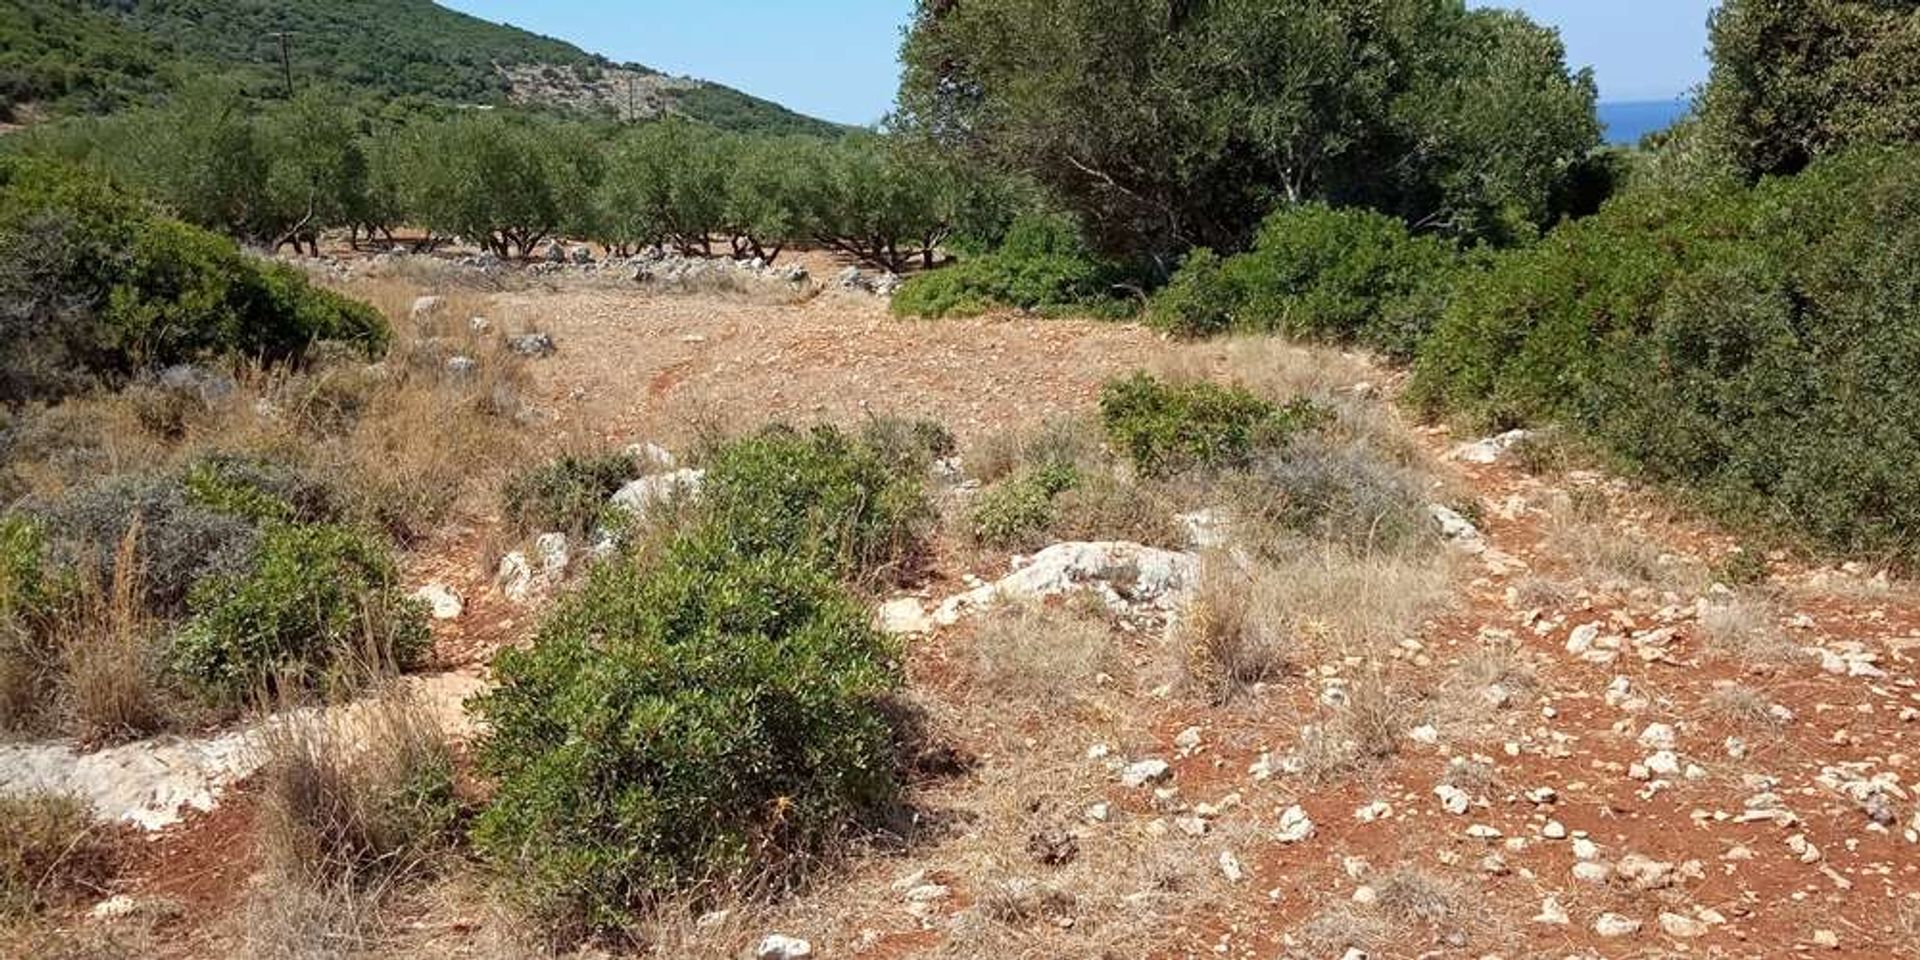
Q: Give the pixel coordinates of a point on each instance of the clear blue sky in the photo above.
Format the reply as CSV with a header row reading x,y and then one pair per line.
x,y
838,58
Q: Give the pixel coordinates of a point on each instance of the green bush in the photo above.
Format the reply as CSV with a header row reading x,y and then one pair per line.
x,y
1041,266
1324,492
1761,346
819,496
1315,272
31,593
568,493
259,490
101,288
1017,514
1167,428
181,540
704,716
320,606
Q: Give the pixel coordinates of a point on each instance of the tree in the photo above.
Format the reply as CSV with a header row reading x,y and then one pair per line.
x,y
317,171
505,183
1796,79
1171,123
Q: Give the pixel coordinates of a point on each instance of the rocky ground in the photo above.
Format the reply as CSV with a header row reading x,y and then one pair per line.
x,y
1609,734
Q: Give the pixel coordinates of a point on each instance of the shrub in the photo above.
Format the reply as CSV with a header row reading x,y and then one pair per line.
x,y
181,541
684,725
1017,514
819,496
1041,266
50,853
1166,428
1342,494
908,447
1315,272
318,606
1757,345
100,288
30,596
259,490
569,493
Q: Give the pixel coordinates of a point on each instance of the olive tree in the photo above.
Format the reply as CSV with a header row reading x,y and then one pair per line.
x,y
1165,124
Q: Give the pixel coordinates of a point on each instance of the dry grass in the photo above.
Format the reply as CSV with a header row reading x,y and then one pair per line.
x,y
1742,706
1610,556
51,854
1062,440
111,671
1363,728
1229,638
352,806
1039,653
1746,627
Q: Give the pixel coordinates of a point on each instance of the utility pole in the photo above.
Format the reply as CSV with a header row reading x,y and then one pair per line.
x,y
286,59
633,115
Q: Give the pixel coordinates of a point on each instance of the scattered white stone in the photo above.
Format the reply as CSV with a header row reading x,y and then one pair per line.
x,y
515,577
1230,867
1613,925
1125,575
903,616
1663,764
1593,871
1682,927
441,601
1295,826
1188,740
645,493
1481,831
781,947
1375,811
1552,913
1585,849
1458,531
554,555
1489,450
1099,812
1658,736
1554,830
928,893
1425,734
1144,772
1453,799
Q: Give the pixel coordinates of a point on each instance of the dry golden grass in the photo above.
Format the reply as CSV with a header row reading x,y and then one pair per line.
x,y
111,670
1362,728
51,854
1742,706
1039,653
1745,627
352,805
1227,641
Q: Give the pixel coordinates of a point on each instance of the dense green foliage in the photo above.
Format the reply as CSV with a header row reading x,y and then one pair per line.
x,y
1796,79
1041,265
1759,345
835,502
1165,428
71,59
568,493
704,713
97,55
319,607
1018,512
1166,124
1346,276
95,286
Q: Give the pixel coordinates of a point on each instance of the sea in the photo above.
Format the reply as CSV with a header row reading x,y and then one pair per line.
x,y
1626,121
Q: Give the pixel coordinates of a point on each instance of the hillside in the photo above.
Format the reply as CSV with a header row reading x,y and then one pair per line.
x,y
63,58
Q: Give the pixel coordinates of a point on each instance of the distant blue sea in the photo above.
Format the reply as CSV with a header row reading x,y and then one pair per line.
x,y
1626,121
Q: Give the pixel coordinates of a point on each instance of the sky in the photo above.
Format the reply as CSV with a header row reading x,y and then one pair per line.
x,y
838,59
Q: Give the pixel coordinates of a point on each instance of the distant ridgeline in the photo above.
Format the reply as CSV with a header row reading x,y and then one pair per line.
x,y
64,57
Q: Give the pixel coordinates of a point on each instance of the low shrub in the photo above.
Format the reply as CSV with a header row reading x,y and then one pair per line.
x,y
100,288
1042,265
1756,345
50,854
318,607
1341,494
909,447
704,720
1165,428
1017,514
30,597
260,490
820,496
569,493
1315,272
182,541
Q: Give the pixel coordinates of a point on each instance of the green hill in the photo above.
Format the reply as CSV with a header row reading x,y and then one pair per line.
x,y
64,57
